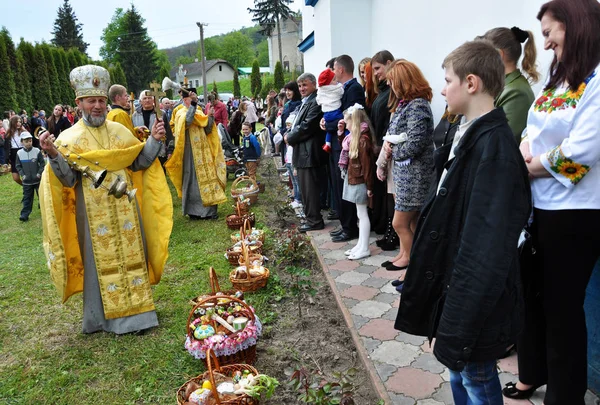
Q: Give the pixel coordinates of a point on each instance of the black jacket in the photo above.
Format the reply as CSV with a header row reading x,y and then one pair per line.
x,y
353,93
380,112
462,286
306,137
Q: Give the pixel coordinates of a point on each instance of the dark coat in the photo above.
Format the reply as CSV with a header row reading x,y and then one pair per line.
x,y
380,112
306,136
462,286
353,94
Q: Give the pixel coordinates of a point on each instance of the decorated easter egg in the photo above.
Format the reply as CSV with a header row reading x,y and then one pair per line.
x,y
204,331
200,396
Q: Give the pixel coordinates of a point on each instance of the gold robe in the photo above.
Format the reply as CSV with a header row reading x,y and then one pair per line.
x,y
122,117
124,273
209,161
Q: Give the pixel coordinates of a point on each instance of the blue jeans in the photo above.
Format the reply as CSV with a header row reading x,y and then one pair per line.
x,y
477,384
297,194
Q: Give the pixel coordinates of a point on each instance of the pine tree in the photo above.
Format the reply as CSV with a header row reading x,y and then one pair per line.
x,y
137,52
236,83
42,91
62,74
255,80
279,79
270,13
52,74
67,31
8,100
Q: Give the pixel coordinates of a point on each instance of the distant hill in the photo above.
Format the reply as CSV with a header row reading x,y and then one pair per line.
x,y
190,49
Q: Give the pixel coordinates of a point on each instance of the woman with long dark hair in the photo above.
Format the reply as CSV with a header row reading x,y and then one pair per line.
x,y
562,150
383,201
12,143
58,122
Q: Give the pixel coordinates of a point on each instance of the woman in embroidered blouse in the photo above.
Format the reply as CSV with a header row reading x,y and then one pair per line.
x,y
517,96
562,152
412,158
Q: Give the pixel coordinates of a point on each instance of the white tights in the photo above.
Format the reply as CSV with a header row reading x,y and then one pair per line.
x,y
364,229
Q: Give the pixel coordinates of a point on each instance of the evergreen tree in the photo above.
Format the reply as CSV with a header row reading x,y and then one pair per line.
x,y
214,89
118,75
72,59
67,31
268,85
42,91
236,83
255,80
8,100
279,79
137,52
27,51
62,74
68,91
270,13
23,88
52,74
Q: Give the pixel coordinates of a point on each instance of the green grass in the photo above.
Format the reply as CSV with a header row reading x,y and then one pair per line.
x,y
44,357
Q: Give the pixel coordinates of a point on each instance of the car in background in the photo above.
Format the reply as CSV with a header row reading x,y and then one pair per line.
x,y
225,97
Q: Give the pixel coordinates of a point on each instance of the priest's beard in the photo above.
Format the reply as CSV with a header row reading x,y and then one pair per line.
x,y
93,121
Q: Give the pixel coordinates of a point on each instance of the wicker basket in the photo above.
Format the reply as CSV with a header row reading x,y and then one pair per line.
x,y
242,205
245,186
246,233
252,283
214,287
233,257
261,187
215,370
235,221
248,355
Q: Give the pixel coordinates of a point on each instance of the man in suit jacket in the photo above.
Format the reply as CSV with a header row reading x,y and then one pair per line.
x,y
307,139
343,67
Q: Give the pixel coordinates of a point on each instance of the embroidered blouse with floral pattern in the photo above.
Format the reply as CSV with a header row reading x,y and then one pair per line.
x,y
563,128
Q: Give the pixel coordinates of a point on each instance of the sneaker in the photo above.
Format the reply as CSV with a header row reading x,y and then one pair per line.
x,y
295,204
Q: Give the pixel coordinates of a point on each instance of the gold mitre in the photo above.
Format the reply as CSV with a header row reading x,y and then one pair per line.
x,y
90,81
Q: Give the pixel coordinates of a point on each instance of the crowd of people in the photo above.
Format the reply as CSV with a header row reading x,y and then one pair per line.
x,y
485,208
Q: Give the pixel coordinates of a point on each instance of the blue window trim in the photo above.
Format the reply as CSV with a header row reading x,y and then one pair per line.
x,y
307,42
311,2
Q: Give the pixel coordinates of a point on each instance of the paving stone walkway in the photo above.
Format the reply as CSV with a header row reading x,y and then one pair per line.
x,y
402,366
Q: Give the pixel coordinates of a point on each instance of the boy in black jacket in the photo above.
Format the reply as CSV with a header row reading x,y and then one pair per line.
x,y
462,285
30,165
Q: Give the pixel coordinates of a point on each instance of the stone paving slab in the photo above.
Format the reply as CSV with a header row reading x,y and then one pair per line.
x,y
402,367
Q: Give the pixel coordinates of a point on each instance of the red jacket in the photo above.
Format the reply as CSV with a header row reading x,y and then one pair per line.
x,y
220,112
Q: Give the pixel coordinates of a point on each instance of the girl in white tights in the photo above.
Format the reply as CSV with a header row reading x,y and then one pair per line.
x,y
356,164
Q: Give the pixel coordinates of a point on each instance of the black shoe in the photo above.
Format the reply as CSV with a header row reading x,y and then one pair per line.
x,y
336,231
23,219
332,216
511,391
195,217
396,283
386,263
305,228
344,237
392,267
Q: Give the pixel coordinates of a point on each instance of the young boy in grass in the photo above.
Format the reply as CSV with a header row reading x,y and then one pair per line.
x,y
251,150
462,284
30,165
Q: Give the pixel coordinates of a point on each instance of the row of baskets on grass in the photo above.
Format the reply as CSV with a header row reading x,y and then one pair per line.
x,y
222,329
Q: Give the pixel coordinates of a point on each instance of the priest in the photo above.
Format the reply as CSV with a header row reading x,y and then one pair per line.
x,y
197,166
111,249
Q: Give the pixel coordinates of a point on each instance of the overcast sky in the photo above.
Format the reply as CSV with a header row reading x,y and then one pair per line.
x,y
169,23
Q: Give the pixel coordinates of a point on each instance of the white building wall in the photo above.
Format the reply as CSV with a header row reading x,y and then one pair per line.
x,y
423,31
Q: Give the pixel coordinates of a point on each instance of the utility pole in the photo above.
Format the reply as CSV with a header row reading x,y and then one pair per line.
x,y
201,26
